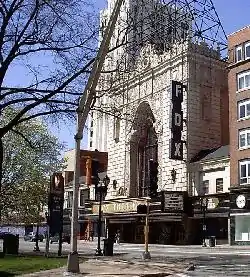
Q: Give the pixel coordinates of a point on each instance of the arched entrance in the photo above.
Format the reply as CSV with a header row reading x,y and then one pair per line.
x,y
143,147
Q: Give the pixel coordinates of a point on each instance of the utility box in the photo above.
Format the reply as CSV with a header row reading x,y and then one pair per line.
x,y
11,244
108,247
1,248
212,241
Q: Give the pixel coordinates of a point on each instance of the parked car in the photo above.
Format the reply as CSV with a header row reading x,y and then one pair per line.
x,y
32,237
3,234
55,238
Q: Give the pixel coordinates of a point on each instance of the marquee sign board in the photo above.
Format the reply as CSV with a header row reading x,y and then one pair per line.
x,y
176,144
118,207
240,200
173,201
55,205
217,203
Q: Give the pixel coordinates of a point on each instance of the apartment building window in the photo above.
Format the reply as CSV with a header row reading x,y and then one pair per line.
x,y
244,138
244,109
238,53
247,50
243,80
219,185
205,186
244,171
83,197
70,199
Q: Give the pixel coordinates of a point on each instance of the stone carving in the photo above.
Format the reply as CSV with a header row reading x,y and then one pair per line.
x,y
122,191
147,56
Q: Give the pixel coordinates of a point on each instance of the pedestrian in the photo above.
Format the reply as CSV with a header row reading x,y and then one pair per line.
x,y
118,235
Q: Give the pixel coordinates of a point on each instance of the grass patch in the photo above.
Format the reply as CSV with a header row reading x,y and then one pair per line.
x,y
16,265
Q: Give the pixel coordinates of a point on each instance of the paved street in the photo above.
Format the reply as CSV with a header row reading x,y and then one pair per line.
x,y
218,261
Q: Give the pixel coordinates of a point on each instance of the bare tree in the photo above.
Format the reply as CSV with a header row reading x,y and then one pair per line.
x,y
54,43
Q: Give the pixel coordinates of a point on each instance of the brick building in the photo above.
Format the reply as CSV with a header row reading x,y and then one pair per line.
x,y
86,192
239,99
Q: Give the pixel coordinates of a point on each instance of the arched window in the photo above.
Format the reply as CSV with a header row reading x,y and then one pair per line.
x,y
116,130
143,147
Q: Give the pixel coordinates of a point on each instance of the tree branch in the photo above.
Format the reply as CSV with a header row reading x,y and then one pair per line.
x,y
24,90
44,114
23,136
16,120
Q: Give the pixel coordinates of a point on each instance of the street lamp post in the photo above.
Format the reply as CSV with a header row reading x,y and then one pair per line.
x,y
146,255
47,235
85,102
101,189
204,203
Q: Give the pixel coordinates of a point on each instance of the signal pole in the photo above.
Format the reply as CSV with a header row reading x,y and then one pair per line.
x,y
83,109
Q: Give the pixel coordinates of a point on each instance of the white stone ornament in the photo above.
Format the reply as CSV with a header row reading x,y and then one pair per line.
x,y
146,54
241,201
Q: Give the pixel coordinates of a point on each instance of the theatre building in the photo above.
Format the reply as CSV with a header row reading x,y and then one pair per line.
x,y
174,105
174,110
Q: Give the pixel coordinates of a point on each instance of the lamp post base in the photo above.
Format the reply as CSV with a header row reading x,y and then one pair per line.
x,y
98,252
146,255
204,244
73,263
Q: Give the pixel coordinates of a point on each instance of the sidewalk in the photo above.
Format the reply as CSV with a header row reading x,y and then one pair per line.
x,y
171,246
225,246
116,268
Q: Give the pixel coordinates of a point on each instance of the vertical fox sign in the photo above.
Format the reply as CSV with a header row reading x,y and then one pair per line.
x,y
176,144
56,199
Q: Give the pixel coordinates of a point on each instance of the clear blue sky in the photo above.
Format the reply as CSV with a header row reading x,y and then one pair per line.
x,y
234,15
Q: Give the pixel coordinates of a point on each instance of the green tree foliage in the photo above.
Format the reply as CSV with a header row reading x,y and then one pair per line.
x,y
31,154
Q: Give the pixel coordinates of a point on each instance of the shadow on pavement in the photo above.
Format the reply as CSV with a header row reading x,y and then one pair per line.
x,y
6,274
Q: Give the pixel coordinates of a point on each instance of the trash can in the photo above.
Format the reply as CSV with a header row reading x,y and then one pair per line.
x,y
11,244
108,247
212,241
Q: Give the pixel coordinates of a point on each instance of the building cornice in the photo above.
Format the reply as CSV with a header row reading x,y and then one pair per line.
x,y
238,64
210,164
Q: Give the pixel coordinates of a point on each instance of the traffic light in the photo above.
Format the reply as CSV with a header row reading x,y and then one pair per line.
x,y
95,166
142,209
153,178
57,182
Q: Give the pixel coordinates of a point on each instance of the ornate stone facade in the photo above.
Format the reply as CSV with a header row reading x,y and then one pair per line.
x,y
205,77
137,108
